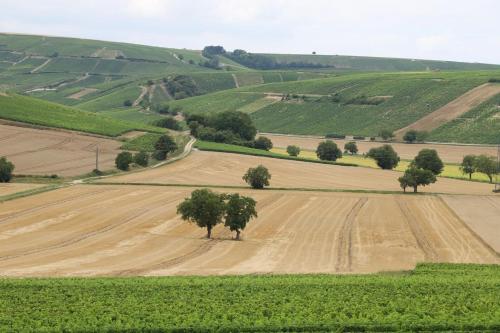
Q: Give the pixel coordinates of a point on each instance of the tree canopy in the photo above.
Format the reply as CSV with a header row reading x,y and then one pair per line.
x,y
263,143
239,211
385,156
293,150
487,165
257,177
428,159
6,169
123,160
468,165
205,208
351,147
164,146
328,151
415,177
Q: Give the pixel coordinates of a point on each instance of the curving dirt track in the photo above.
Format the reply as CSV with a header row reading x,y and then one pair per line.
x,y
88,230
210,168
47,152
448,153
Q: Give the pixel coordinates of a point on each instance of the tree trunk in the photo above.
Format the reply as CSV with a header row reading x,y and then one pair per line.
x,y
404,189
491,178
414,189
238,235
209,231
470,176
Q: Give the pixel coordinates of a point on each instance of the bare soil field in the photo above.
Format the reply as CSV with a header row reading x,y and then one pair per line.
x,y
11,188
453,110
88,230
448,153
481,214
82,93
47,152
210,168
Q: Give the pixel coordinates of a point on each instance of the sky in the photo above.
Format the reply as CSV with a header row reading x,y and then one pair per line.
x,y
426,29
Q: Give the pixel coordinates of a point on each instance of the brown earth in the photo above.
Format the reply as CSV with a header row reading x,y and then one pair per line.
x,y
47,152
209,168
82,93
452,110
87,230
481,214
448,153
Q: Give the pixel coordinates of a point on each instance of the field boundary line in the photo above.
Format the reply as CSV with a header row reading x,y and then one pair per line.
x,y
27,193
466,226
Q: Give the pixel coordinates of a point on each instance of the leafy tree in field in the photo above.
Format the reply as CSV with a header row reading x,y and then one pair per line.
x,y
428,159
385,157
6,169
123,160
204,207
164,146
239,211
386,134
263,143
410,136
487,165
351,147
328,151
468,165
415,177
257,177
141,158
293,150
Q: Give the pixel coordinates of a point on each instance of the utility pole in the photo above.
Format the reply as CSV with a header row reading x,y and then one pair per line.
x,y
97,158
497,183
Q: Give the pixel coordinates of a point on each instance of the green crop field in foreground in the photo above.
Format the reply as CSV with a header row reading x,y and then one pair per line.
x,y
433,297
39,112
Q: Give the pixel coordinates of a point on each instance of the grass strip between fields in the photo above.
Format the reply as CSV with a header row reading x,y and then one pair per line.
x,y
227,148
432,297
303,189
30,192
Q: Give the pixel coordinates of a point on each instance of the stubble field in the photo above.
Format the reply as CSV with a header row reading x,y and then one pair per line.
x,y
88,230
48,152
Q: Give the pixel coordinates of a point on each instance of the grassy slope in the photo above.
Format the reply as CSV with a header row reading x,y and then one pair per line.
x,y
34,111
379,64
410,97
433,297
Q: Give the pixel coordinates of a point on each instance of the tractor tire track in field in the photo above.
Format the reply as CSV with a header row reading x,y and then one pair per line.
x,y
55,203
56,145
77,239
344,247
425,245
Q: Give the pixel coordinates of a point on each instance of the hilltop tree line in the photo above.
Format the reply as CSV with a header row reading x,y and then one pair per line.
x,y
252,60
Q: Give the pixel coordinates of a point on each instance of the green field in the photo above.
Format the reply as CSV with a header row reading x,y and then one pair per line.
x,y
433,297
38,112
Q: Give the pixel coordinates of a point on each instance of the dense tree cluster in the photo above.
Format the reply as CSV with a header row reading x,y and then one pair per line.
x,y
483,164
231,127
181,86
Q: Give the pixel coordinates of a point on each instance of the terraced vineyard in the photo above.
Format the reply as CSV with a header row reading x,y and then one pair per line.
x,y
343,104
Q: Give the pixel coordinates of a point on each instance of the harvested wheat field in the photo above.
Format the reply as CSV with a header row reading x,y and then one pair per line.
x,y
11,188
88,230
47,152
210,168
448,153
481,214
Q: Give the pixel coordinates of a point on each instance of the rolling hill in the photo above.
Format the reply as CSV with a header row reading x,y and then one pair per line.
x,y
361,104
